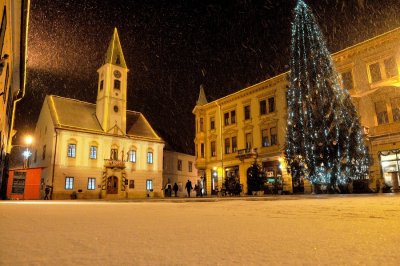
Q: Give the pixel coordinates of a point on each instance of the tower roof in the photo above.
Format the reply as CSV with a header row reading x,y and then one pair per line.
x,y
114,53
202,100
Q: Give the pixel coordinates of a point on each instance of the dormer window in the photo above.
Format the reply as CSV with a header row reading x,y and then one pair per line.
x,y
117,84
117,60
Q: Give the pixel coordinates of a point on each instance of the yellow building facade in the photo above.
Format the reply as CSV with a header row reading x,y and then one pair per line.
x,y
98,150
233,131
13,46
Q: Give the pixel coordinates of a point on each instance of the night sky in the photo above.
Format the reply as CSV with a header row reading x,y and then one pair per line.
x,y
171,47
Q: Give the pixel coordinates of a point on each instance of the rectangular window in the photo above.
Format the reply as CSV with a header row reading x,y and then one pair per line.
x,y
263,107
226,119
179,165
227,146
201,124
3,30
212,123
114,154
347,79
150,157
396,109
101,84
381,113
117,84
234,144
202,150
72,150
271,105
69,183
249,141
91,185
213,151
44,152
132,156
233,117
190,165
264,138
274,136
149,185
93,152
247,112
390,67
375,72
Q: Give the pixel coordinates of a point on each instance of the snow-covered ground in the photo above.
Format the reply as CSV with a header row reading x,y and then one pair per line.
x,y
313,230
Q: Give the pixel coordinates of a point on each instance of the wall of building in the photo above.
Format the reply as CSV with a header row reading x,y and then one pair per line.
x,y
365,92
172,174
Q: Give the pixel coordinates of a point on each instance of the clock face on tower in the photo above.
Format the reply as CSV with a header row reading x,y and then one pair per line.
x,y
117,74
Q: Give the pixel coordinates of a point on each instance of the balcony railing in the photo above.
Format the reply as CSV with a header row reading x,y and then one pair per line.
x,y
247,153
114,163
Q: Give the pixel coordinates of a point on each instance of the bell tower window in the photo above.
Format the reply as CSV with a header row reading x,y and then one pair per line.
x,y
101,84
117,84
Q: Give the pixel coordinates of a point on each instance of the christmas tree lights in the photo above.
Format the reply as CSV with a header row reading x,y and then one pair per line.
x,y
324,138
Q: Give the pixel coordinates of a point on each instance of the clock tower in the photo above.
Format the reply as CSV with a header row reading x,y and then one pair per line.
x,y
111,91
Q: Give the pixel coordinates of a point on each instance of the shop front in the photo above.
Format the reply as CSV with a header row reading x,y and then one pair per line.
x,y
390,165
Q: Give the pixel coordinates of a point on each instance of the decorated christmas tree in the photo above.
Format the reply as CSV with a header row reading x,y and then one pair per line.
x,y
324,138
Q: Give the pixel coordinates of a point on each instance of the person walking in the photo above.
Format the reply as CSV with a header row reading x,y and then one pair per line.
x,y
175,188
47,192
188,187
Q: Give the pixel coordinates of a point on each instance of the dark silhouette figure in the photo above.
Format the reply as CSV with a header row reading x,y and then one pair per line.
x,y
46,193
188,187
175,188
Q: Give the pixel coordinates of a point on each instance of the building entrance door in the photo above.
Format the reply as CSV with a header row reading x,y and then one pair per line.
x,y
112,185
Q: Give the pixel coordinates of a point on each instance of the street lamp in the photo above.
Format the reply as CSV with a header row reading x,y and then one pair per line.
x,y
27,153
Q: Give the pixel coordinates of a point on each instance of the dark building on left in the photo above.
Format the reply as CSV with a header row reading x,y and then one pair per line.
x,y
14,16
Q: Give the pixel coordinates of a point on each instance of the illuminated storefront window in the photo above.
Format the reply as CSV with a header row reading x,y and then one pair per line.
x,y
390,162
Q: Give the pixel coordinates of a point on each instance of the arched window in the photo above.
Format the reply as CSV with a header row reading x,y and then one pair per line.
x,y
132,155
114,152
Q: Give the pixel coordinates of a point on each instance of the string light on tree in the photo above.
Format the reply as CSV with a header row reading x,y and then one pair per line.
x,y
324,138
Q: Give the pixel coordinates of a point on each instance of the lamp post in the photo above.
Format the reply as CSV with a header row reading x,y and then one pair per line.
x,y
26,153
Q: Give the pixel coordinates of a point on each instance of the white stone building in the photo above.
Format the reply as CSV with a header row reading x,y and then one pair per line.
x,y
99,150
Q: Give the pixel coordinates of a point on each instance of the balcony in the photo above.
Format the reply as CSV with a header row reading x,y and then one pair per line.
x,y
247,153
383,130
114,163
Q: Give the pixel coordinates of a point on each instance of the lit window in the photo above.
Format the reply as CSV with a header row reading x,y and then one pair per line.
x,y
190,166
201,124
149,157
247,112
117,84
274,136
390,67
396,109
179,165
234,144
212,123
347,79
91,183
72,150
265,140
233,117
249,141
271,105
381,112
69,183
213,151
375,72
132,156
114,154
149,185
227,146
263,107
226,119
93,152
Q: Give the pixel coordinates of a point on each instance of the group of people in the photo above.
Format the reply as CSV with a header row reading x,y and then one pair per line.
x,y
189,187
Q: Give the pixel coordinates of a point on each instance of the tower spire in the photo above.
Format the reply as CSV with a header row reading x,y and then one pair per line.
x,y
114,53
202,100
